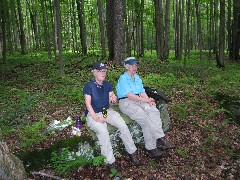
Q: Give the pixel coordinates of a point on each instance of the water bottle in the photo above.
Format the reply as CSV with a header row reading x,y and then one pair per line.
x,y
104,113
78,122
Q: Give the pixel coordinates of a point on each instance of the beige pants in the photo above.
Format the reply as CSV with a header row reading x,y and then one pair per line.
x,y
148,117
102,133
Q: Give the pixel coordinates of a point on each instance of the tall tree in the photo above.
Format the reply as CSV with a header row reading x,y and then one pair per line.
x,y
21,23
3,30
220,60
101,28
46,32
235,47
59,34
81,17
110,28
199,33
115,28
159,28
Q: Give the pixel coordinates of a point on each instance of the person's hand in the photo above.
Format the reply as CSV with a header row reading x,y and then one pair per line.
x,y
113,99
151,102
99,119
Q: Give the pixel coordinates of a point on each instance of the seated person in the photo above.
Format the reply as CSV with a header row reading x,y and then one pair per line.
x,y
99,95
134,102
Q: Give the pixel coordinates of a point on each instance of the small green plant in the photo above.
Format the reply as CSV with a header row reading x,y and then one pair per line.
x,y
114,173
33,134
183,152
66,161
153,163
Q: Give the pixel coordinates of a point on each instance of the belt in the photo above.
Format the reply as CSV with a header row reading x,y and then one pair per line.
x,y
126,97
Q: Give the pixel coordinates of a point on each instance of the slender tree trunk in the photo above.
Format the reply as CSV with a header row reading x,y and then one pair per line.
x,y
181,12
81,16
159,28
8,29
187,49
101,28
46,33
199,31
229,30
167,30
59,34
234,54
22,33
220,61
176,32
74,34
110,27
3,30
142,30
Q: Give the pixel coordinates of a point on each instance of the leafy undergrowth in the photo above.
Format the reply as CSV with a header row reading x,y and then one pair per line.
x,y
208,145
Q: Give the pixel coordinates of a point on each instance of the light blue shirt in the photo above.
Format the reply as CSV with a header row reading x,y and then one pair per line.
x,y
126,85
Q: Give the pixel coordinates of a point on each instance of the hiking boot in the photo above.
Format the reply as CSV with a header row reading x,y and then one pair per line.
x,y
134,159
155,153
163,144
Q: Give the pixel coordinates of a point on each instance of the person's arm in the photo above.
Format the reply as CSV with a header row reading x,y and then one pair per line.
x,y
90,109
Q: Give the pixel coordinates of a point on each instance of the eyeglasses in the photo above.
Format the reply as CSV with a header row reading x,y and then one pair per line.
x,y
102,71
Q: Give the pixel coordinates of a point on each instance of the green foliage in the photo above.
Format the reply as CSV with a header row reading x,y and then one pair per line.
x,y
32,134
16,104
181,110
183,152
164,81
65,161
114,173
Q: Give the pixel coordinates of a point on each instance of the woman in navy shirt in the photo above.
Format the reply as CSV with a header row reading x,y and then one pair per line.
x,y
98,95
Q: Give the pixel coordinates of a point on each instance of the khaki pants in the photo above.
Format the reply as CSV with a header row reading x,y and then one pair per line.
x,y
102,133
148,117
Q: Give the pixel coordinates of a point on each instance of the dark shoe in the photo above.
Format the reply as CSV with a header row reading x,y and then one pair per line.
x,y
113,170
134,159
163,144
155,153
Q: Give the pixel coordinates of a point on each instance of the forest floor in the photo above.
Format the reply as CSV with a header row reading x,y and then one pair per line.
x,y
207,140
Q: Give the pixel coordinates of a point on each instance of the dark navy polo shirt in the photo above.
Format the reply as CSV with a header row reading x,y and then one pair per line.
x,y
99,95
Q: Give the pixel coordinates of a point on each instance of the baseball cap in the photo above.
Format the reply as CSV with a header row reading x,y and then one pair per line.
x,y
131,61
99,66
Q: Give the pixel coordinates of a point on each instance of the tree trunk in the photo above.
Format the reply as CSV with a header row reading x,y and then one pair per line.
x,y
81,16
119,32
234,54
220,61
46,32
74,34
187,49
199,30
3,31
229,30
101,28
59,34
176,30
110,27
181,12
21,23
8,29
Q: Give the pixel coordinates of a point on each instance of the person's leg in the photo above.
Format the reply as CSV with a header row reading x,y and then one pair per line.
x,y
116,120
136,113
103,136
